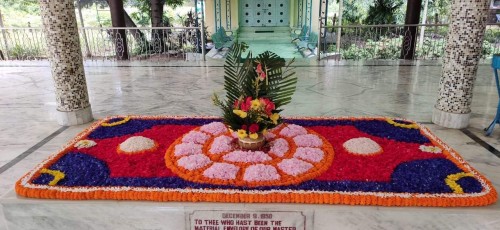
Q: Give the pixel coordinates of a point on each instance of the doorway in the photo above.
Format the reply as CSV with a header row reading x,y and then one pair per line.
x,y
261,13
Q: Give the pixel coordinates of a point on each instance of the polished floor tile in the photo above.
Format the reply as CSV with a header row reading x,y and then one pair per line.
x,y
27,109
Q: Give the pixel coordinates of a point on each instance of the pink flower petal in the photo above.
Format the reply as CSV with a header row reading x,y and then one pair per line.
x,y
309,154
292,130
269,135
247,156
294,166
279,147
214,128
193,162
222,171
195,137
273,130
261,172
221,144
184,149
308,140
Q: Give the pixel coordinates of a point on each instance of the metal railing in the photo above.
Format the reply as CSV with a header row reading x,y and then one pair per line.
x,y
366,42
106,43
360,42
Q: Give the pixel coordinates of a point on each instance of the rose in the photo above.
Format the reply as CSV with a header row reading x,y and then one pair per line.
x,y
268,106
247,104
236,104
254,128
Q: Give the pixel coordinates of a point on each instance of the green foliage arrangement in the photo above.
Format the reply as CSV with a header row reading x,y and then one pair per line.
x,y
256,89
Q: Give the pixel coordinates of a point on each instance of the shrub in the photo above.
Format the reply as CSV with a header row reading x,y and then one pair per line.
x,y
431,49
390,48
384,48
21,52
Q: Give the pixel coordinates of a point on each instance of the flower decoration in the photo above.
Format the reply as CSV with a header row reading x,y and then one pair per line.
x,y
260,73
85,144
58,175
430,149
255,91
111,123
451,180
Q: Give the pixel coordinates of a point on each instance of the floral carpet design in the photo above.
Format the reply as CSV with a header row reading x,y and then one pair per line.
x,y
361,161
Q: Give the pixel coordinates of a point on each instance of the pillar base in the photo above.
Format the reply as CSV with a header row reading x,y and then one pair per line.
x,y
78,117
450,120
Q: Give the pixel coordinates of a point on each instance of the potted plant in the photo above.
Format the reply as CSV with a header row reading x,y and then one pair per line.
x,y
256,89
190,52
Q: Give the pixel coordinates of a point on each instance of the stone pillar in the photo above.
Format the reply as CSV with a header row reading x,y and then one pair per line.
x,y
65,55
460,62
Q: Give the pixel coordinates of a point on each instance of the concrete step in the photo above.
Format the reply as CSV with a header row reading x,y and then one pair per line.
x,y
275,41
269,28
270,40
263,36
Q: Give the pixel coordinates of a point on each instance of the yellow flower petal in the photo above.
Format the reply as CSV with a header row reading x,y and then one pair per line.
x,y
264,131
274,117
242,133
240,113
254,136
255,104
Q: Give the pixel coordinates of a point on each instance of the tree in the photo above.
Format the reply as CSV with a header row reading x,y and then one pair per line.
x,y
383,12
157,13
28,6
353,11
90,3
439,7
157,20
118,20
153,9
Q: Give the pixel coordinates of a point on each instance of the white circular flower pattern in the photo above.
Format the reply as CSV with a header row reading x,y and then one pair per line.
x,y
210,154
362,146
137,145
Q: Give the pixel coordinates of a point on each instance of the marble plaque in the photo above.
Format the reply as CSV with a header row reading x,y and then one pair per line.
x,y
248,220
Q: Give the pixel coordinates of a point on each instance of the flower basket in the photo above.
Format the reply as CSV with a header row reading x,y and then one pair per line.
x,y
252,144
255,90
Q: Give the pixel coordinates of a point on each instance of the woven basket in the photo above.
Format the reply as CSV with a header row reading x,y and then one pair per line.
x,y
252,144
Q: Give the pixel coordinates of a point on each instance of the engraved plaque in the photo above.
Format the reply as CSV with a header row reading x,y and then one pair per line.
x,y
247,220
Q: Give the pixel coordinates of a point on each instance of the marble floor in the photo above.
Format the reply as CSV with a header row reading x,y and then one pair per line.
x,y
29,133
